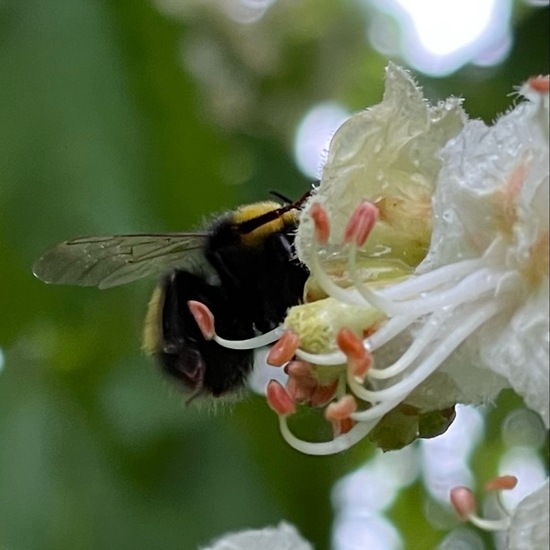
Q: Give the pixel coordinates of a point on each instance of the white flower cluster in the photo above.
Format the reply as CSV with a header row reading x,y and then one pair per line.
x,y
427,243
444,314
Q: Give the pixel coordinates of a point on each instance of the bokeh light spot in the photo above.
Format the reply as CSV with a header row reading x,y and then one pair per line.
x,y
523,427
361,498
313,136
445,459
438,37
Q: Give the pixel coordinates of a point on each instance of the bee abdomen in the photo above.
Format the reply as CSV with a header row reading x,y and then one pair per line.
x,y
174,338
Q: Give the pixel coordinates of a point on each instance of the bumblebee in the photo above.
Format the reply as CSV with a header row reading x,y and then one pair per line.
x,y
243,268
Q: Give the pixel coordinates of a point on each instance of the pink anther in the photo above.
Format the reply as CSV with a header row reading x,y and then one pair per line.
x,y
301,388
340,427
304,387
359,359
361,223
323,394
341,409
501,483
279,399
320,219
204,318
284,349
539,83
299,369
463,502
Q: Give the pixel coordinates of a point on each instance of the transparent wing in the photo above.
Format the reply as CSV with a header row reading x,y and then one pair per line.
x,y
115,260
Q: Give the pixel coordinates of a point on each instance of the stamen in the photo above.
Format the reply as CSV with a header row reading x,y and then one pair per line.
x,y
204,318
502,524
456,335
284,350
464,502
340,427
390,330
301,388
301,382
322,225
337,445
361,223
279,399
375,299
421,341
323,359
416,284
322,231
380,406
323,394
304,387
501,483
359,359
341,409
299,369
252,343
324,280
539,84
472,286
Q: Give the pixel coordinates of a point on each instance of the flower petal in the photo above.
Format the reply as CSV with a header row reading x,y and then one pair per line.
x,y
493,188
282,537
529,528
387,154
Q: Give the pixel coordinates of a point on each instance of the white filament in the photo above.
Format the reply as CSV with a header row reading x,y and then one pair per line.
x,y
251,343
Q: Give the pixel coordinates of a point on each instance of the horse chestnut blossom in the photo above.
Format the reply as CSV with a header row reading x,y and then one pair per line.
x,y
427,243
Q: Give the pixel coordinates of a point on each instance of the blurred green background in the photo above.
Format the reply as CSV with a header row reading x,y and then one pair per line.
x,y
141,116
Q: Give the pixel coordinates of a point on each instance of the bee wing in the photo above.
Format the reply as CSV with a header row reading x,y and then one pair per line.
x,y
115,260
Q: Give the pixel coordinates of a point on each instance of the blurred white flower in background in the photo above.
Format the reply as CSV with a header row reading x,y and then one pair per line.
x,y
282,537
438,37
529,524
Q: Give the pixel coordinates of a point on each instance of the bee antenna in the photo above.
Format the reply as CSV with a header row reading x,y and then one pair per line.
x,y
250,225
281,196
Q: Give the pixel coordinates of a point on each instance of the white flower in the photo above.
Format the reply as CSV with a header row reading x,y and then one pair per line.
x,y
389,154
525,527
282,537
467,321
491,203
529,522
427,242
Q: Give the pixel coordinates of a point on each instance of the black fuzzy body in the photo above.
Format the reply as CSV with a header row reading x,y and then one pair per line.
x,y
248,284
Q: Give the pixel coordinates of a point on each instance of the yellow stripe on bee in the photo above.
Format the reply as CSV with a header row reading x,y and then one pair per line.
x,y
250,211
152,327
